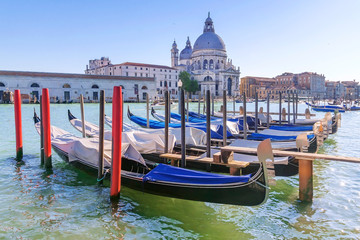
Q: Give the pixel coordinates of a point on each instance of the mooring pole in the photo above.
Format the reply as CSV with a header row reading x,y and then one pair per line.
x,y
224,118
82,115
47,127
268,111
305,180
169,106
234,107
183,145
42,155
213,104
101,137
199,104
289,108
294,114
208,131
280,107
18,125
116,143
166,121
147,111
297,103
187,106
256,112
245,118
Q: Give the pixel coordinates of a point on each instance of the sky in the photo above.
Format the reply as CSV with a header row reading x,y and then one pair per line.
x,y
264,38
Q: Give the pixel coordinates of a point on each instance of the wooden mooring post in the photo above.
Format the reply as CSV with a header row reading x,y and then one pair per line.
x,y
268,111
167,121
224,118
45,117
116,143
208,131
256,112
245,117
280,107
18,125
42,154
82,115
183,149
147,111
101,137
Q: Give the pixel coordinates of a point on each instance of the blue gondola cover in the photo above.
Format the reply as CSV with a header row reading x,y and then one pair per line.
x,y
167,173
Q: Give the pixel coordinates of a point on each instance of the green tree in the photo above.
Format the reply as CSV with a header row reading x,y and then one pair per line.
x,y
188,84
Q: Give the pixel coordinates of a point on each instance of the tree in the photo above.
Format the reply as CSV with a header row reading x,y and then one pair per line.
x,y
188,84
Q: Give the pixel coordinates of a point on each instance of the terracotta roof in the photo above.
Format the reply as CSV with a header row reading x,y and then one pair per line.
x,y
71,75
146,65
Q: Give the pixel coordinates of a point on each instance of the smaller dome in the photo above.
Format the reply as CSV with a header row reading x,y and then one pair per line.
x,y
187,51
174,45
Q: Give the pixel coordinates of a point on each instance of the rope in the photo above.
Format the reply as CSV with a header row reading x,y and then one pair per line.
x,y
106,171
262,185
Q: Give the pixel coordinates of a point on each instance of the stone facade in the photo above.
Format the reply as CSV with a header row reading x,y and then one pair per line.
x,y
166,78
207,62
68,87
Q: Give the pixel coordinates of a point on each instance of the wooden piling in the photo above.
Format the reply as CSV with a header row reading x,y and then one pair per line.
x,y
305,178
224,118
213,104
187,106
245,117
268,111
166,121
183,148
82,115
294,114
147,111
297,103
208,131
279,107
45,118
234,106
199,98
42,155
289,108
101,137
283,113
256,112
116,143
18,125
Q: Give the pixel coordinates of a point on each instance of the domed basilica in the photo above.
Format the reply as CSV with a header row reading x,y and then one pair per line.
x,y
207,62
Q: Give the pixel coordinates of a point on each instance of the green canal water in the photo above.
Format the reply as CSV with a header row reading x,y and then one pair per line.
x,y
68,203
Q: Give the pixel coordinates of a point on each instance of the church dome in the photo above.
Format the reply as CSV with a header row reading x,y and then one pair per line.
x,y
209,39
187,51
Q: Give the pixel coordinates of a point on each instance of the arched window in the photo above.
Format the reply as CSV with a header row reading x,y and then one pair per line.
x,y
66,85
144,88
2,84
207,78
198,63
205,64
34,85
211,64
94,86
165,83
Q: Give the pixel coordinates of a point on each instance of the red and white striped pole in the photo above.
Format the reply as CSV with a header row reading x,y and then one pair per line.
x,y
18,126
116,143
45,118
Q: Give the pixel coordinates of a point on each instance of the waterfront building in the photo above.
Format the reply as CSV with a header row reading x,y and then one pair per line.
x,y
352,90
68,87
251,85
166,77
334,90
207,62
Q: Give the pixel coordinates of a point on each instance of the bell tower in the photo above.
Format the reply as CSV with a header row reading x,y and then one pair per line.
x,y
174,55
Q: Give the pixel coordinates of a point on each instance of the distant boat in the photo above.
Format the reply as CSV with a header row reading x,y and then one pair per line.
x,y
161,105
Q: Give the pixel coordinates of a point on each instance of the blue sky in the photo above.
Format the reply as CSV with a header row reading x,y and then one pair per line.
x,y
265,38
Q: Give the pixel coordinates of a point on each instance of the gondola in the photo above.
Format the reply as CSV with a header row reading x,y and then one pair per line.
x,y
216,130
321,109
283,166
249,189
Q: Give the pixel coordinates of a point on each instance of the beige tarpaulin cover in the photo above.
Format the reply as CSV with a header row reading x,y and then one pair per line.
x,y
86,150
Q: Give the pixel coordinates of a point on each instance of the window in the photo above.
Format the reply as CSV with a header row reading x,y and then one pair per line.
x,y
165,83
205,65
32,85
160,70
2,84
154,69
147,75
211,64
146,68
165,70
135,68
169,84
127,74
94,86
154,75
160,83
140,68
175,84
144,88
127,67
66,85
169,76
169,70
176,77
141,74
165,76
135,74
